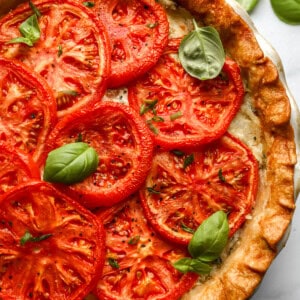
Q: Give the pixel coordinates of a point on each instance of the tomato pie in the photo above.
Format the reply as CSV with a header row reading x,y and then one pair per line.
x,y
147,151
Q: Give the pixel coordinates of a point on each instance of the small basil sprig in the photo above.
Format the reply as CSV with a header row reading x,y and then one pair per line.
x,y
287,11
206,245
29,29
70,163
201,53
248,5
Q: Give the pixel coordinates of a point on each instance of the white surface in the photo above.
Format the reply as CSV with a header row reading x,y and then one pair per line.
x,y
282,281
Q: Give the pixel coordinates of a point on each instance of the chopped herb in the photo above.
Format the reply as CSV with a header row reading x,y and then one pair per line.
x,y
88,4
177,153
113,263
188,161
157,119
152,25
221,176
134,240
152,190
35,9
176,115
186,228
27,237
60,51
148,105
152,127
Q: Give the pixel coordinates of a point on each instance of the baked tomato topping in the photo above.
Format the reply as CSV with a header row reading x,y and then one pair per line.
x,y
184,188
138,262
15,167
51,247
27,108
124,147
138,30
71,53
183,111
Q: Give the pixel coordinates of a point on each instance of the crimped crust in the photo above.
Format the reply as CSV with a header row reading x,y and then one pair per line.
x,y
257,245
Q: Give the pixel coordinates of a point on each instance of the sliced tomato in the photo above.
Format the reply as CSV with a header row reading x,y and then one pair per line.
x,y
138,262
124,146
27,108
183,111
138,31
15,167
183,189
72,53
51,247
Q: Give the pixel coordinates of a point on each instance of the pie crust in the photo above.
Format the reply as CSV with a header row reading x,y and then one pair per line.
x,y
258,242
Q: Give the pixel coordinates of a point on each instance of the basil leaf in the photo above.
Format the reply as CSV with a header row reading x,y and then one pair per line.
x,y
152,190
177,153
70,163
201,53
248,5
176,116
186,228
30,32
186,264
221,176
27,237
134,240
287,11
60,51
210,238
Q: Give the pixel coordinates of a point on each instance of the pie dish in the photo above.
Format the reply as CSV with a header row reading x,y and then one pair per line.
x,y
268,114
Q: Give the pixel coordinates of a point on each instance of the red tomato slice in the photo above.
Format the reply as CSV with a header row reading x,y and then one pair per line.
x,y
181,191
27,108
183,111
72,53
15,167
138,32
123,144
62,258
138,262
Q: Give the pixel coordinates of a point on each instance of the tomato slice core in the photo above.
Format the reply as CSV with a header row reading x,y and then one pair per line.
x,y
179,196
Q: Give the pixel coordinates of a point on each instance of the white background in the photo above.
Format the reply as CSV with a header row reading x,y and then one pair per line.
x,y
282,281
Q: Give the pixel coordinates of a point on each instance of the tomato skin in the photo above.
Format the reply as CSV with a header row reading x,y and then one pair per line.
x,y
16,167
67,264
205,108
145,260
27,108
72,53
124,146
222,176
138,32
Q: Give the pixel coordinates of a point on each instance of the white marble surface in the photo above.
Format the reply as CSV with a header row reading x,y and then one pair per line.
x,y
282,281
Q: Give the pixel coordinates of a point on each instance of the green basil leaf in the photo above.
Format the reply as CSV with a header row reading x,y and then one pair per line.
x,y
177,153
134,240
221,176
248,5
201,53
210,238
27,237
70,163
186,228
287,11
152,190
60,51
186,264
188,161
30,32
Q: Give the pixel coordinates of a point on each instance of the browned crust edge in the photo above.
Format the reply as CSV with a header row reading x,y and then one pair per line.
x,y
243,270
